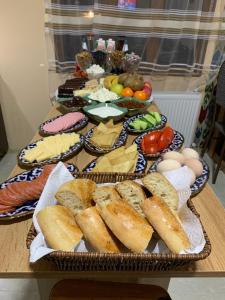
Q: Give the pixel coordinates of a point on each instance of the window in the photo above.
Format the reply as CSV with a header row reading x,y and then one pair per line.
x,y
174,50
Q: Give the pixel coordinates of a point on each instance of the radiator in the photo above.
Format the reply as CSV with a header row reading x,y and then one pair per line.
x,y
182,111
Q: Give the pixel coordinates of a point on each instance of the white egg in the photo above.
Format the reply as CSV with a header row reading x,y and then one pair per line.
x,y
192,175
168,165
175,156
190,153
195,165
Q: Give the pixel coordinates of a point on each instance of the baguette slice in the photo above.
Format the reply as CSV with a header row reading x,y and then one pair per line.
x,y
132,193
59,228
158,185
95,231
127,225
105,195
76,194
166,224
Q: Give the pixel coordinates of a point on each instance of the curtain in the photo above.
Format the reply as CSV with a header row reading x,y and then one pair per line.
x,y
184,39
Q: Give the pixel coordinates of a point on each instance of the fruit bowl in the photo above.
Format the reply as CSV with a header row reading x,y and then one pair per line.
x,y
129,85
133,105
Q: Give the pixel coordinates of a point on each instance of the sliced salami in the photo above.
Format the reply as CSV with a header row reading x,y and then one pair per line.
x,y
4,208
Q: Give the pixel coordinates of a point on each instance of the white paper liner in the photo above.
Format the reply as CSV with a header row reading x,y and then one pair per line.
x,y
60,175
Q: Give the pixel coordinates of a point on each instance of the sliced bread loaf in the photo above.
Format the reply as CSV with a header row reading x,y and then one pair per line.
x,y
132,192
103,195
76,194
158,185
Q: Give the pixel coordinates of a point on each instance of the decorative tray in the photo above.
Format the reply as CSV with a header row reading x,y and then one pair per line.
x,y
63,156
176,144
99,150
140,166
76,127
101,118
135,131
200,181
132,101
28,207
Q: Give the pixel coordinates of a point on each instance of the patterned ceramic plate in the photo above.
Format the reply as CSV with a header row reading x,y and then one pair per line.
x,y
94,148
28,207
140,167
72,151
135,131
78,126
200,181
176,144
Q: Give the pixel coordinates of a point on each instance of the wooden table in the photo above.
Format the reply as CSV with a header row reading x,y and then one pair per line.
x,y
14,260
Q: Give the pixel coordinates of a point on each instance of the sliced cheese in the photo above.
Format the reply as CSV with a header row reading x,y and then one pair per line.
x,y
51,146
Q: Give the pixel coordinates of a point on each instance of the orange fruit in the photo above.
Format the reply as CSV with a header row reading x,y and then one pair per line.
x,y
127,92
140,95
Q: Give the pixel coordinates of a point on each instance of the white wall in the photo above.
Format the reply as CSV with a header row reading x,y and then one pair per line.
x,y
23,69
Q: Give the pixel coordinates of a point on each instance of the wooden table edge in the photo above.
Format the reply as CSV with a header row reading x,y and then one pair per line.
x,y
111,275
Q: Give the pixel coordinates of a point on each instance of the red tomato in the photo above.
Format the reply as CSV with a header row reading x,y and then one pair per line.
x,y
143,144
152,137
163,143
149,142
165,138
151,149
168,132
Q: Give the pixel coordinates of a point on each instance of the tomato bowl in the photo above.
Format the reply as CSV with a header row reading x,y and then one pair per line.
x,y
153,149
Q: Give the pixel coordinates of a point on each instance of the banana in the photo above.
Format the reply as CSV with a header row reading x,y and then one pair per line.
x,y
115,80
108,80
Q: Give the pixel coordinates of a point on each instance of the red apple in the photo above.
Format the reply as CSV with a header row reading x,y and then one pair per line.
x,y
147,91
147,83
148,88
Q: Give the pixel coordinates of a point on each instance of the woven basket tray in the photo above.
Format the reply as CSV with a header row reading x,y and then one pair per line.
x,y
93,261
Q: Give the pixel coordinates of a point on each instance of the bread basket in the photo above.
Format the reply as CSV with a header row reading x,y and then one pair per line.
x,y
93,261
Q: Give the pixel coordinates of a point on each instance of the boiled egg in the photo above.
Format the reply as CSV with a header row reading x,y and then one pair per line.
x,y
195,165
192,175
190,153
174,155
168,165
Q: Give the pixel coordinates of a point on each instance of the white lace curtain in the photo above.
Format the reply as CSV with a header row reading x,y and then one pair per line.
x,y
176,39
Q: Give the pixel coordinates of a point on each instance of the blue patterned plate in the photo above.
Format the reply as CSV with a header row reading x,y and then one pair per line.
x,y
28,207
200,181
135,131
176,144
72,151
140,166
78,126
94,148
